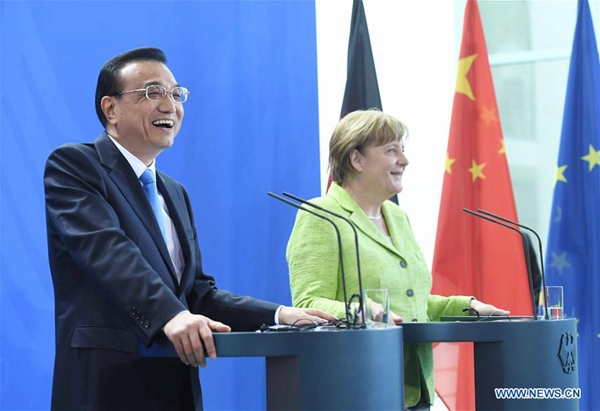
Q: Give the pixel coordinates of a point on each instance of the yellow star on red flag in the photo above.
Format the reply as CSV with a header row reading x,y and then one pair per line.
x,y
462,83
502,148
477,170
488,114
449,162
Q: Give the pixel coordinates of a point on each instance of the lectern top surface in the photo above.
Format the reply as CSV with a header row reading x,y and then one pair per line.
x,y
474,318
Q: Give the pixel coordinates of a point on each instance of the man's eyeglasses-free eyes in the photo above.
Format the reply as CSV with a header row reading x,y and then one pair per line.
x,y
157,93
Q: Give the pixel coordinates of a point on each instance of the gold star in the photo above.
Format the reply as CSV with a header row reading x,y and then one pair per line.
x,y
462,84
560,174
593,158
488,114
559,261
449,162
503,148
558,217
477,170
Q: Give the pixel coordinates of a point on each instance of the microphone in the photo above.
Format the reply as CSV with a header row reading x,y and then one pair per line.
x,y
525,240
506,220
359,274
339,240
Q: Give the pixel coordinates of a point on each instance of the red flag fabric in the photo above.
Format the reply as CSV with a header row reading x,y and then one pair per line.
x,y
473,256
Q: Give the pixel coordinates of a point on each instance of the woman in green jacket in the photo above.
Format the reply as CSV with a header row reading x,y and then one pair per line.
x,y
367,162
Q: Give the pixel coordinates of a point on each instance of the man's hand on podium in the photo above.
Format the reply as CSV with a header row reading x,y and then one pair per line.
x,y
191,334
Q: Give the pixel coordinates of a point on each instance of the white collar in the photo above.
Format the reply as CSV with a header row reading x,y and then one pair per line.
x,y
136,164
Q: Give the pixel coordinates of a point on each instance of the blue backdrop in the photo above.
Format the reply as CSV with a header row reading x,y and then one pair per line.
x,y
251,126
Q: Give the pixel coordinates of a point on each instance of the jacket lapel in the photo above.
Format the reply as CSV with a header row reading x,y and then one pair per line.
x,y
125,179
362,222
392,219
177,209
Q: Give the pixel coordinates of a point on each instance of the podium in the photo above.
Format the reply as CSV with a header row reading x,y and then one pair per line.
x,y
325,370
513,354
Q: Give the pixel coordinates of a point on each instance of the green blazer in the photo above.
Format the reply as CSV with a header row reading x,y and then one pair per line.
x,y
399,266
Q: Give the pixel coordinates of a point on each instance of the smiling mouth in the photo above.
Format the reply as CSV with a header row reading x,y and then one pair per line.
x,y
163,123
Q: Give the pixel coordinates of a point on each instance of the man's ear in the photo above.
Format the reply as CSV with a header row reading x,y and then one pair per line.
x,y
108,108
356,159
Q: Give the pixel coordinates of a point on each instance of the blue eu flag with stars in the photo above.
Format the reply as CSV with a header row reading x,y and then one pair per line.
x,y
573,252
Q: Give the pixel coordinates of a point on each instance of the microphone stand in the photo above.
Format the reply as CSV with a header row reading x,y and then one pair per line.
x,y
527,258
339,240
546,316
360,287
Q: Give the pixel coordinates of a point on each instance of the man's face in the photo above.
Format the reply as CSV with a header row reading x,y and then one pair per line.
x,y
145,127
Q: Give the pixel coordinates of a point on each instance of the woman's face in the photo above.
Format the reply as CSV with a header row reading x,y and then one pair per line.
x,y
381,168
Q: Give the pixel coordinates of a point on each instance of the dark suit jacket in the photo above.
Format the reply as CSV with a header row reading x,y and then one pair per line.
x,y
115,286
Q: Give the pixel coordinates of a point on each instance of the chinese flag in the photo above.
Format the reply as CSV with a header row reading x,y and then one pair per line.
x,y
473,256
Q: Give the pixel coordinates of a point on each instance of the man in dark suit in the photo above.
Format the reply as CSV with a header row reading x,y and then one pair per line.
x,y
126,264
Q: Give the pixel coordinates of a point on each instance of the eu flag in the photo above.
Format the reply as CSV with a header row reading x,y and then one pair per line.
x,y
573,255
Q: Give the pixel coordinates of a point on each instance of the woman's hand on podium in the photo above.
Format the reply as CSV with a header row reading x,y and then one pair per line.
x,y
303,316
377,313
485,310
395,318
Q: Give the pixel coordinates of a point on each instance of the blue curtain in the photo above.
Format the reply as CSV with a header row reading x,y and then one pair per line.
x,y
251,126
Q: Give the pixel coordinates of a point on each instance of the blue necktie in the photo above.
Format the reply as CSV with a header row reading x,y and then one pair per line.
x,y
149,183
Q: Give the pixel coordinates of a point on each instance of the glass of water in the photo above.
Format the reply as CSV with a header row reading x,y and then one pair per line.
x,y
377,308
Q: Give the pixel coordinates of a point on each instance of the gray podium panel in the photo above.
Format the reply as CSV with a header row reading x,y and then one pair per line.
x,y
326,370
513,354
